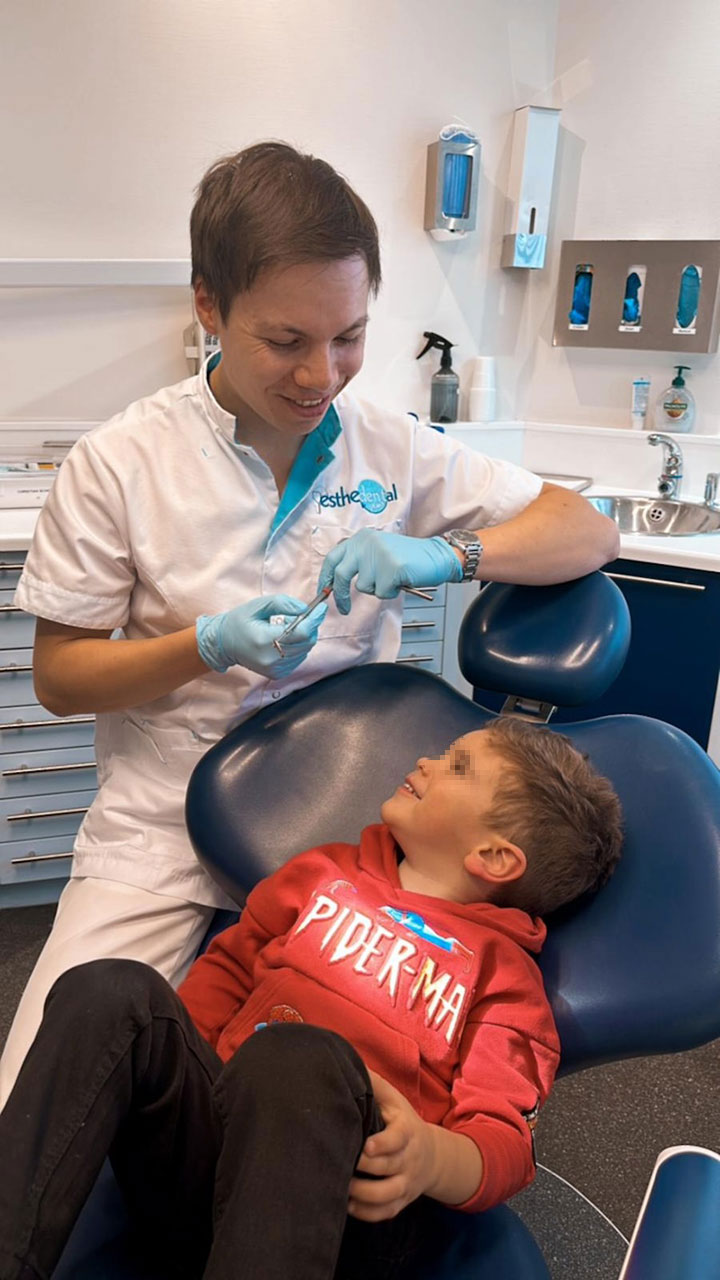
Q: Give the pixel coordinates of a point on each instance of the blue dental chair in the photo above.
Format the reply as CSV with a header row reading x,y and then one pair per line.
x,y
635,971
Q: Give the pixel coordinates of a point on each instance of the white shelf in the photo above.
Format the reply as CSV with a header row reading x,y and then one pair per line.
x,y
49,273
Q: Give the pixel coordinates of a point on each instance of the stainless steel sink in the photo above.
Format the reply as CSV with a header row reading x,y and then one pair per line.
x,y
649,515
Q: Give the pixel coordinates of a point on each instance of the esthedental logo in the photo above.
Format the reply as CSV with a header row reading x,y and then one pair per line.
x,y
370,494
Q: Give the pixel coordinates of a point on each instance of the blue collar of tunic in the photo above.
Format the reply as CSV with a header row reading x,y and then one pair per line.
x,y
316,453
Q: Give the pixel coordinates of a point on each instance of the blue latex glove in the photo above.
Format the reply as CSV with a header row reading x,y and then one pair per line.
x,y
386,562
244,636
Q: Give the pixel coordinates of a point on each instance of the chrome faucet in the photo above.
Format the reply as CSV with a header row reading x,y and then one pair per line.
x,y
670,477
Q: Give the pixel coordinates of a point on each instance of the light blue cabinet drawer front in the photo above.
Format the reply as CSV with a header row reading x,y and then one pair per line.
x,y
16,682
11,563
17,628
416,602
419,654
28,860
43,815
25,773
32,728
422,625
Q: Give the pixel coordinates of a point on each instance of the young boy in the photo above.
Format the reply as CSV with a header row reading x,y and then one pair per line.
x,y
373,1038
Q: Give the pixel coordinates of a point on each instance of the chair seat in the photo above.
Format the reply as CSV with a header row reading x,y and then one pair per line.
x,y
485,1246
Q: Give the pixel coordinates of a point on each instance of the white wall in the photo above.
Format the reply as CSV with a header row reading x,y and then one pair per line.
x,y
117,109
640,91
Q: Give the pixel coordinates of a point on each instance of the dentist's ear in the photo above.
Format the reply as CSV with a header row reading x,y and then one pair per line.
x,y
496,861
205,307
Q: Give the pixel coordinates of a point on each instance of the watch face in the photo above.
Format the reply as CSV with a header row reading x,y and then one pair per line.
x,y
465,537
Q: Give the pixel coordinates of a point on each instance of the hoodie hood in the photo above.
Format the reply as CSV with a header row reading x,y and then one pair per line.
x,y
528,932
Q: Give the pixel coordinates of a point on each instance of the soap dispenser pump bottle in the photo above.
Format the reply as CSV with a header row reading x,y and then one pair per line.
x,y
445,384
676,406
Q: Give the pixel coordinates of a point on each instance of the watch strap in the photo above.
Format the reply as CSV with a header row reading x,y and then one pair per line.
x,y
467,541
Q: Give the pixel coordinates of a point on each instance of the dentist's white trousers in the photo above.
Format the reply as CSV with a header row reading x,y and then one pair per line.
x,y
99,919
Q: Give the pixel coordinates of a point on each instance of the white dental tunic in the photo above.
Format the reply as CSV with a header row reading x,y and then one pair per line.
x,y
159,515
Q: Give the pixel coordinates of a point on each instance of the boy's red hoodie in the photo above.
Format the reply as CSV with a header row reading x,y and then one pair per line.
x,y
440,998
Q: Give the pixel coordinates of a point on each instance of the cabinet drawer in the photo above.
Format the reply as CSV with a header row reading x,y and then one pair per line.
x,y
420,654
45,815
27,773
422,624
671,671
17,628
31,727
28,860
11,563
416,602
16,682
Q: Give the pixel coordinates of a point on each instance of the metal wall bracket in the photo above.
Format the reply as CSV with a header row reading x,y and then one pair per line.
x,y
594,294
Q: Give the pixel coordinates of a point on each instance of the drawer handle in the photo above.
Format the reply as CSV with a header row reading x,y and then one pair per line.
x,y
656,582
417,626
11,608
46,813
47,724
9,567
25,772
38,857
421,657
13,670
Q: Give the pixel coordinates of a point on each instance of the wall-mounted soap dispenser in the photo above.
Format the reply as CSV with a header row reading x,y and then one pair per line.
x,y
532,168
451,187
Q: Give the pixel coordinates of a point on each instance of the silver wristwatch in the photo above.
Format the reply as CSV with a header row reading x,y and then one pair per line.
x,y
467,541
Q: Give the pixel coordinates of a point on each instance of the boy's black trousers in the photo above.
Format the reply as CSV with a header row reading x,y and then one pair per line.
x,y
235,1170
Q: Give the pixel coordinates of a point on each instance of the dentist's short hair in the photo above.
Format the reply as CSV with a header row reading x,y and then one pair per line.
x,y
272,206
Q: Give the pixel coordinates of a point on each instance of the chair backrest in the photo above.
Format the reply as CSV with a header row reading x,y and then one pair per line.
x,y
562,644
635,971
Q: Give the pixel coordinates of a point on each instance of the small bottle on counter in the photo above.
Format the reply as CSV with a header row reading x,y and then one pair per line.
x,y
640,393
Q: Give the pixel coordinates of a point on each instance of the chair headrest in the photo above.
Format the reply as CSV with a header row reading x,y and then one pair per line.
x,y
563,644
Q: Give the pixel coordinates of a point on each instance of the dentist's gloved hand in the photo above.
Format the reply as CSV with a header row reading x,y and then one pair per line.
x,y
244,636
384,563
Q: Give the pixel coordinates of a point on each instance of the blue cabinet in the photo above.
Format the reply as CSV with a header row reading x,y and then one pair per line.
x,y
47,765
671,671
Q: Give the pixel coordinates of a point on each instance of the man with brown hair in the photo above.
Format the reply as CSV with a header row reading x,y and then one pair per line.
x,y
179,532
370,1039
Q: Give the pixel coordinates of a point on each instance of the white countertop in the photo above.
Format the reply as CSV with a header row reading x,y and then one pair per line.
x,y
698,551
614,458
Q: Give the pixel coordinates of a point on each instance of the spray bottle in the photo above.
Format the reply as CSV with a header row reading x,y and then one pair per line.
x,y
445,384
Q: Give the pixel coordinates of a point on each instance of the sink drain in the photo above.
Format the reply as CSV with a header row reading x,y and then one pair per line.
x,y
656,513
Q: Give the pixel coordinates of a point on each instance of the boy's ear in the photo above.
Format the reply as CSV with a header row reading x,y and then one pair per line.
x,y
497,861
207,312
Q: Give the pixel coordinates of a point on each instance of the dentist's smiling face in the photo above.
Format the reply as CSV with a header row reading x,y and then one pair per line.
x,y
289,345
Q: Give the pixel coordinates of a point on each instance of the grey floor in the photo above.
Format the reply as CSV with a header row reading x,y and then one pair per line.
x,y
597,1139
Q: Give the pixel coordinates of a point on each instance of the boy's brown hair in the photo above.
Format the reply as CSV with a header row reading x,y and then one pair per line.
x,y
270,206
564,815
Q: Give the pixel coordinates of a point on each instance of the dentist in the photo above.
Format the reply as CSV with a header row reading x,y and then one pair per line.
x,y
177,532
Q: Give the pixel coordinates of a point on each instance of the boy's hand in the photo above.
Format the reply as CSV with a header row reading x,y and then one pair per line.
x,y
401,1157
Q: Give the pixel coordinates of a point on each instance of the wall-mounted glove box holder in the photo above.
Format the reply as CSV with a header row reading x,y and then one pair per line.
x,y
638,295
